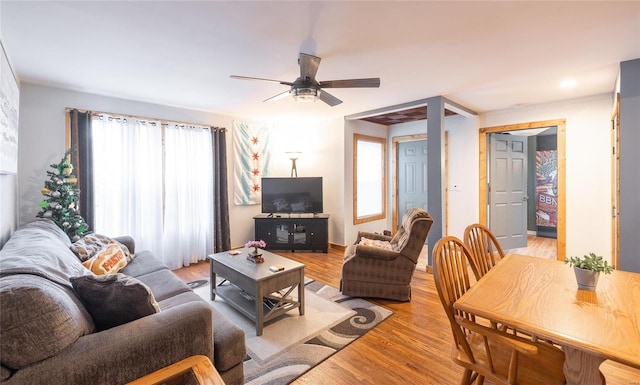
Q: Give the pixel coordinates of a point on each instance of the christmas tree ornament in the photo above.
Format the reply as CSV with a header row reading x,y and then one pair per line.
x,y
61,199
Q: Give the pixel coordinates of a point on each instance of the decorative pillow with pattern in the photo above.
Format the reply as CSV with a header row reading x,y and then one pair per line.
x,y
90,244
375,243
114,299
109,260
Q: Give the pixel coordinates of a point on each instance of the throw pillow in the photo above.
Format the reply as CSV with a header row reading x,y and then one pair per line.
x,y
114,299
38,320
109,260
90,244
375,243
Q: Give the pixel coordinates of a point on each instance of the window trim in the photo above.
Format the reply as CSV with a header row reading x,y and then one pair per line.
x,y
383,142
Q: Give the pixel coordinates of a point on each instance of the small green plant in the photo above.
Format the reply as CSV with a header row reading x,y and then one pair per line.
x,y
591,262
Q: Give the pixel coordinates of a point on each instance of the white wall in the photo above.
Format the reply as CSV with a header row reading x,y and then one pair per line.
x,y
42,142
463,160
322,147
588,152
463,167
327,148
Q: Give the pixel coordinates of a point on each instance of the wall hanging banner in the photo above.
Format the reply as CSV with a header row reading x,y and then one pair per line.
x,y
547,188
252,160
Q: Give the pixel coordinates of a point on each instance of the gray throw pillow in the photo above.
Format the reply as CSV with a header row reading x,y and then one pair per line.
x,y
38,319
114,299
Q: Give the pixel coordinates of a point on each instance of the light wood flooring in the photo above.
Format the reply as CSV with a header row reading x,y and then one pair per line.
x,y
411,347
538,247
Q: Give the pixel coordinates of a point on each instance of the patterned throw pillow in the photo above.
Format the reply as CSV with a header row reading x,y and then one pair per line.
x,y
375,243
90,244
109,260
114,299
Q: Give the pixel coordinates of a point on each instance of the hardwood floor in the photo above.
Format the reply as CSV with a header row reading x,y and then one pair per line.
x,y
410,347
538,247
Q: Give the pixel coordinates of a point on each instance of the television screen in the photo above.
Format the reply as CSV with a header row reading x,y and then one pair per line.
x,y
292,195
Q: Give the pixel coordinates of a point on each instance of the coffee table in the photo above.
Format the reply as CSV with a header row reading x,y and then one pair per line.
x,y
255,291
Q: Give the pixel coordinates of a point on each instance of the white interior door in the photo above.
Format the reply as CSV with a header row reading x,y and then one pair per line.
x,y
412,176
508,190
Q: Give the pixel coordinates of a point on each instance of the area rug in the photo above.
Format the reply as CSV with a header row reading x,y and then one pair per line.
x,y
293,344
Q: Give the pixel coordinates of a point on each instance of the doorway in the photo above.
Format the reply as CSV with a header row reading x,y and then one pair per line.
x,y
561,173
508,193
412,175
397,210
409,173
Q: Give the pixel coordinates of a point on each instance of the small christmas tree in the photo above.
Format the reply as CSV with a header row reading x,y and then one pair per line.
x,y
61,199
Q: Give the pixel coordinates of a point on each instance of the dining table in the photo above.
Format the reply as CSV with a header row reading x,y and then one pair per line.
x,y
540,297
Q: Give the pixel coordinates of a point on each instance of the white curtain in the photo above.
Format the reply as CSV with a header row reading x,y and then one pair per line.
x,y
188,222
127,171
129,184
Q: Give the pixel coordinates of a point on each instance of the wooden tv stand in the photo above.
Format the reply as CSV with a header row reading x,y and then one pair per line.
x,y
293,231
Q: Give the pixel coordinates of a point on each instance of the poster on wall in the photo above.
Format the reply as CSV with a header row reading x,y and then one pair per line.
x,y
547,188
9,101
252,161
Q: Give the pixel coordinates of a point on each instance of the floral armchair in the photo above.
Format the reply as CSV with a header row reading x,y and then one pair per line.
x,y
382,266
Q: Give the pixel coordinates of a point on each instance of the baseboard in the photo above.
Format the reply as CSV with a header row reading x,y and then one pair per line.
x,y
337,248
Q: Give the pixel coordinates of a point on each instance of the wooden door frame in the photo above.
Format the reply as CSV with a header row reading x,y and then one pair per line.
x,y
615,182
562,173
395,141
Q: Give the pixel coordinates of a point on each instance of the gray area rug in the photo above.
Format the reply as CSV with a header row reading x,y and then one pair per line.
x,y
293,344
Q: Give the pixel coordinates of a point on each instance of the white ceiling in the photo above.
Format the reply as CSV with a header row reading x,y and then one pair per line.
x,y
484,55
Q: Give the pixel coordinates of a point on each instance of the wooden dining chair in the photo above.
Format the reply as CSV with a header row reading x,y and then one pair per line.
x,y
483,351
484,247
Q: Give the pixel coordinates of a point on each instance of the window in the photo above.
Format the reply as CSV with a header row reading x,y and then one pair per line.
x,y
369,178
154,181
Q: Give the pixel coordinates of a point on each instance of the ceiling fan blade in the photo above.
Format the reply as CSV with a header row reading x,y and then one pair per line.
x,y
278,97
308,65
329,99
261,79
351,83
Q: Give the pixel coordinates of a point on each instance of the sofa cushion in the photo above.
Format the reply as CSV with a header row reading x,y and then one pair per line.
x,y
87,246
114,299
109,260
5,373
38,320
41,248
179,299
164,284
144,263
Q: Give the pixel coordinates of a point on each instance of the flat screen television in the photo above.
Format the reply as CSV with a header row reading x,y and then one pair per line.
x,y
292,195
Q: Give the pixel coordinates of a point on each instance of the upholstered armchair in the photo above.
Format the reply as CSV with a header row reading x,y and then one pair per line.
x,y
382,266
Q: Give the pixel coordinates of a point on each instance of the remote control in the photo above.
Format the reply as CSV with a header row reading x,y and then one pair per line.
x,y
276,268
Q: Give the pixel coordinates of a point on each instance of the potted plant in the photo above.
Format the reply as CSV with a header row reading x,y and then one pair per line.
x,y
588,269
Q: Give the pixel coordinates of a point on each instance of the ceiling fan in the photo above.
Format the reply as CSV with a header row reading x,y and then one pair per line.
x,y
307,88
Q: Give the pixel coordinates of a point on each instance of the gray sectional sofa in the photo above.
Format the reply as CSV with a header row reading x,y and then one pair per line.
x,y
47,335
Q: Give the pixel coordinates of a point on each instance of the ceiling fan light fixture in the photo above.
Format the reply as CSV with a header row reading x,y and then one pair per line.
x,y
305,94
